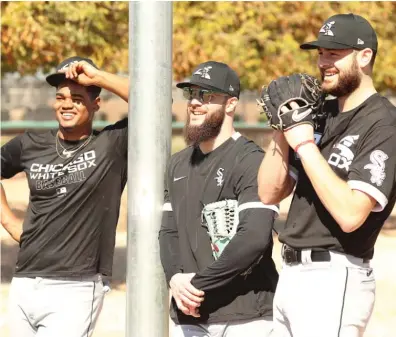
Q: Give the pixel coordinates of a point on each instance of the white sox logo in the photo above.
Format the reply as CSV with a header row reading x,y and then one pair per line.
x,y
68,65
326,28
204,72
344,158
377,167
68,153
48,176
219,177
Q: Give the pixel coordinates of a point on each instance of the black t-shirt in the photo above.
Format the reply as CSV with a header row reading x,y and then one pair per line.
x,y
194,180
359,146
70,224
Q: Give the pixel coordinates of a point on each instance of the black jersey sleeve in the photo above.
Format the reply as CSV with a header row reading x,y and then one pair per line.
x,y
11,153
373,168
253,233
118,133
169,238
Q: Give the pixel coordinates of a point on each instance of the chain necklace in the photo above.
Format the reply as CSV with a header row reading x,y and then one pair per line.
x,y
69,153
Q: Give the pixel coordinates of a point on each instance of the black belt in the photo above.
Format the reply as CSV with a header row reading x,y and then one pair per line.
x,y
293,256
64,278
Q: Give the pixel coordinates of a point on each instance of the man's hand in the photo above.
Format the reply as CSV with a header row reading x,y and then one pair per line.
x,y
82,72
187,297
302,89
299,133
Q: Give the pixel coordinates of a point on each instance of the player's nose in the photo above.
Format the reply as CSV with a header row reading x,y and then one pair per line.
x,y
195,102
67,104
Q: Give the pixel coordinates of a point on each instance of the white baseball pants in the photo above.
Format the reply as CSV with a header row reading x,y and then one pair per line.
x,y
43,307
324,299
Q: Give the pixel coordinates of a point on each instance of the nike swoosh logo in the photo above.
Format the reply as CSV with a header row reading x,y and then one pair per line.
x,y
178,178
298,116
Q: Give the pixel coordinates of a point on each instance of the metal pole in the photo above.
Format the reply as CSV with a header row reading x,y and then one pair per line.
x,y
150,118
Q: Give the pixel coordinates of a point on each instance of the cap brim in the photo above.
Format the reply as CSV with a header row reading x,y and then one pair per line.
x,y
182,85
55,79
324,44
58,78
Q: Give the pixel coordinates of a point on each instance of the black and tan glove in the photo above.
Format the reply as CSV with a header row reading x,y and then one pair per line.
x,y
303,89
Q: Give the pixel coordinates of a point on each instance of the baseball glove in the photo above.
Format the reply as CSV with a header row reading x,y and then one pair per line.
x,y
221,220
303,89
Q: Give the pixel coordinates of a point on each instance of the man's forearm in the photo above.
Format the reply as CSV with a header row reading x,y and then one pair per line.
x,y
248,244
114,83
169,246
339,199
274,182
11,223
15,229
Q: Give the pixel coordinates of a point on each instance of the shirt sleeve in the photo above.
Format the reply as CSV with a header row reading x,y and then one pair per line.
x,y
253,233
11,154
169,238
373,168
118,132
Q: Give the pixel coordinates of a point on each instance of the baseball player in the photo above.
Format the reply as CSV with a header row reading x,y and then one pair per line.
x,y
215,238
343,172
76,176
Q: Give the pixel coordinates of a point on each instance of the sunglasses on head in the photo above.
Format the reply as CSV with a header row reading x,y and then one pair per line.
x,y
202,95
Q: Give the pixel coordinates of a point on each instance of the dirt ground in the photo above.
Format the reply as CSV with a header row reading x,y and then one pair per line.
x,y
112,320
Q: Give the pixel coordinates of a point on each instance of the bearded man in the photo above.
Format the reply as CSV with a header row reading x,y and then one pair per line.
x,y
215,238
343,172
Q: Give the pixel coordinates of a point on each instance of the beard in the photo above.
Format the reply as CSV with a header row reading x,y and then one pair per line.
x,y
209,129
348,81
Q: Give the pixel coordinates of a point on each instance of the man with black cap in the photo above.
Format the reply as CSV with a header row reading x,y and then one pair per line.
x,y
215,238
76,176
344,178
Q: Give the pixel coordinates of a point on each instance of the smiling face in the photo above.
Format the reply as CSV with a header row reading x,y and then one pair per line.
x,y
205,115
341,74
74,107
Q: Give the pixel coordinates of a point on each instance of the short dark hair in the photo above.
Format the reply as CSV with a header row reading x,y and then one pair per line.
x,y
93,91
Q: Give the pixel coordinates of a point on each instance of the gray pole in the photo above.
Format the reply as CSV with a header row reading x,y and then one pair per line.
x,y
150,128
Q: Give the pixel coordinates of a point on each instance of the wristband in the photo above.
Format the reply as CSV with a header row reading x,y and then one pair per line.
x,y
303,143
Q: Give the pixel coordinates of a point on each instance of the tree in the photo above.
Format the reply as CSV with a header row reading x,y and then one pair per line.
x,y
260,40
41,34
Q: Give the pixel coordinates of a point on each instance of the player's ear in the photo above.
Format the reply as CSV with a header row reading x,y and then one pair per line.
x,y
96,103
231,104
364,57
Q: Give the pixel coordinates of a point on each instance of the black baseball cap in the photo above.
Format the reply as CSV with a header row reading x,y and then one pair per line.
x,y
344,31
57,78
214,76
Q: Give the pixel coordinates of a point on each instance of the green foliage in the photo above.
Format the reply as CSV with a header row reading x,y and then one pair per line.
x,y
260,40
